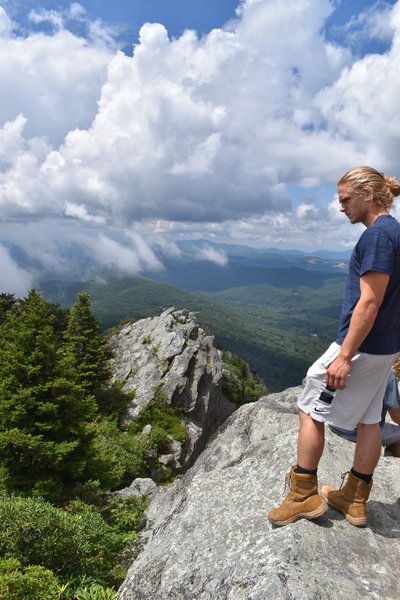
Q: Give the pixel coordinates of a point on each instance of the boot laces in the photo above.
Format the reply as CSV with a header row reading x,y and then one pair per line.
x,y
287,488
287,483
343,477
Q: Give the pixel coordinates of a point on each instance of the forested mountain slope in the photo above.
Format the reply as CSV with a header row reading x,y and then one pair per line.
x,y
279,332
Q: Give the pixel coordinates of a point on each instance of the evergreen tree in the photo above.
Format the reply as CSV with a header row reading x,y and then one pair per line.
x,y
90,352
7,302
45,441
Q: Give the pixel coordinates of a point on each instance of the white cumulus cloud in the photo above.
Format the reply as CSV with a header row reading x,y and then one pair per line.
x,y
79,211
239,134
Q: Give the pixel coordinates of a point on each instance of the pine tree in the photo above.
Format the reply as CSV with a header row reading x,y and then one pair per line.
x,y
45,441
7,301
91,353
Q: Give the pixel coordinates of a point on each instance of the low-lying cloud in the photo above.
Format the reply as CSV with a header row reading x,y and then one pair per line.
x,y
13,279
213,255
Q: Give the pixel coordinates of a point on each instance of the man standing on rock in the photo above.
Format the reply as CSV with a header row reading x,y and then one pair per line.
x,y
346,385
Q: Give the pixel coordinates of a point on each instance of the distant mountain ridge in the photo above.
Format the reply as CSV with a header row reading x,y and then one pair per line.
x,y
207,266
208,277
279,332
196,265
238,249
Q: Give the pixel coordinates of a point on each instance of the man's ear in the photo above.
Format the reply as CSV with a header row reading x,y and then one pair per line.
x,y
368,194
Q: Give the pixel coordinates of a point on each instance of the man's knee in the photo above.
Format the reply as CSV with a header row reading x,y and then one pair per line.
x,y
367,426
393,449
307,420
368,430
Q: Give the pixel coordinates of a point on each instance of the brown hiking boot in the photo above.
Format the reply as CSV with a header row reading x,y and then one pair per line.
x,y
303,502
350,499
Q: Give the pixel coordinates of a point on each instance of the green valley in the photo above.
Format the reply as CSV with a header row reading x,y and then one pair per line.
x,y
278,331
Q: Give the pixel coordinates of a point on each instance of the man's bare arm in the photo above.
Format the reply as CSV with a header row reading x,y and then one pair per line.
x,y
373,287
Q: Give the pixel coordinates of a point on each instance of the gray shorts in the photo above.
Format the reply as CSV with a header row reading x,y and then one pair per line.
x,y
361,400
390,434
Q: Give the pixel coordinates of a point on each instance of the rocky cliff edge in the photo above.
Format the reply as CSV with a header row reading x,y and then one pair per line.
x,y
208,537
172,356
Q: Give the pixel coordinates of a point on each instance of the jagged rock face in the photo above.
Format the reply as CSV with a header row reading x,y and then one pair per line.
x,y
208,537
172,355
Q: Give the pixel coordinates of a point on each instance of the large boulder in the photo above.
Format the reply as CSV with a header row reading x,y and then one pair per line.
x,y
208,537
173,356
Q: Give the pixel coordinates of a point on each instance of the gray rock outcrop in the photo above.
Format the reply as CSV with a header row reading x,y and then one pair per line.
x,y
208,537
141,486
172,355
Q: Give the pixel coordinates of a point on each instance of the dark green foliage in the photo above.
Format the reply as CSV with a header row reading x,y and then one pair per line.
x,y
7,302
127,453
240,385
27,583
54,372
71,544
58,441
120,456
112,401
44,414
89,350
125,515
89,355
123,454
51,553
165,422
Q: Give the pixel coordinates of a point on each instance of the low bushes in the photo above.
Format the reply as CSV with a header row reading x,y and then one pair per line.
x,y
240,385
74,542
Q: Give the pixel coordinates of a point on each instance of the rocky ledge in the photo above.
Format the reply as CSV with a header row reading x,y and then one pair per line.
x,y
172,356
208,538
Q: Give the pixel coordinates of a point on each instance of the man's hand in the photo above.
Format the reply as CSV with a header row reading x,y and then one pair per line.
x,y
337,372
372,287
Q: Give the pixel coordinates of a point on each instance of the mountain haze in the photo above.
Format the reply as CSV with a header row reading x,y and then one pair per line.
x,y
206,266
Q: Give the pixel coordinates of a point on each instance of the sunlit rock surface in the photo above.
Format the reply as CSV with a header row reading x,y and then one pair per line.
x,y
208,537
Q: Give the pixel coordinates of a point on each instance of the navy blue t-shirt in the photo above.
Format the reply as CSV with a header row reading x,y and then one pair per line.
x,y
378,249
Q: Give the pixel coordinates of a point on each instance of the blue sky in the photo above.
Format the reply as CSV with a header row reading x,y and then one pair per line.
x,y
127,126
128,16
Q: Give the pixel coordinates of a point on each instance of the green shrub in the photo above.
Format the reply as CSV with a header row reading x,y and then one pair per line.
x,y
162,416
90,493
36,533
253,389
94,591
125,515
27,583
239,384
112,401
122,454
